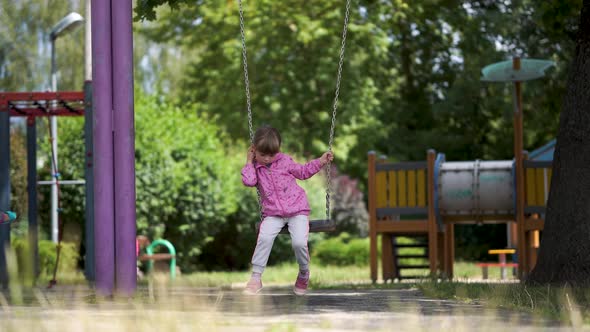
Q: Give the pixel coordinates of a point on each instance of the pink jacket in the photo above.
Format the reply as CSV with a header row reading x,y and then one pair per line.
x,y
280,194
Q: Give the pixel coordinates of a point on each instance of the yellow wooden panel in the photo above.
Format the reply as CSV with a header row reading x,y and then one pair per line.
x,y
392,189
402,190
421,187
530,187
540,186
381,196
549,173
381,179
412,188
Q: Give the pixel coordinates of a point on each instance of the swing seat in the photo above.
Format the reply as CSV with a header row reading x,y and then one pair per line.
x,y
315,226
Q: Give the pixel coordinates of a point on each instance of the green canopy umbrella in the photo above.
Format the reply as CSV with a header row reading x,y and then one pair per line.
x,y
504,71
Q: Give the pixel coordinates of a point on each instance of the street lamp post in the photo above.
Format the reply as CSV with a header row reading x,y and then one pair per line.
x,y
67,24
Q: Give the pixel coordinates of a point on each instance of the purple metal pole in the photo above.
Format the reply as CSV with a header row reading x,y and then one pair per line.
x,y
104,231
124,151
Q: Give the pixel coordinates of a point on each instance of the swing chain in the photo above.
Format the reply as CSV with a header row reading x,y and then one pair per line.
x,y
246,80
247,86
335,107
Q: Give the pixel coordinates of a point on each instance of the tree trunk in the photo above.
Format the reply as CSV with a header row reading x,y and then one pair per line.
x,y
564,255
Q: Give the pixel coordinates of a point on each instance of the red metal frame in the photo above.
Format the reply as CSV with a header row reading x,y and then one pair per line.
x,y
65,103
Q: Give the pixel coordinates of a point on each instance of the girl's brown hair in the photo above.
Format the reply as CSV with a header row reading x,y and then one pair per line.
x,y
267,140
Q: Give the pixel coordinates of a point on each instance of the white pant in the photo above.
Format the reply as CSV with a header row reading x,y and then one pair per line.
x,y
270,228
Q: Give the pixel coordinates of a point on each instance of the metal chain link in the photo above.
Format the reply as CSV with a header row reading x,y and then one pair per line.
x,y
334,107
246,80
247,86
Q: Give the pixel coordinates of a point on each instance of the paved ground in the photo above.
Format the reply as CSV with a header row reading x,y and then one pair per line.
x,y
197,309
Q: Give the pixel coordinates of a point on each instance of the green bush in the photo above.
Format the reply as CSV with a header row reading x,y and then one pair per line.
x,y
186,183
342,250
47,257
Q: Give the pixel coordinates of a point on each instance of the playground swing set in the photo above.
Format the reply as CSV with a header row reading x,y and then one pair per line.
x,y
319,225
31,106
46,104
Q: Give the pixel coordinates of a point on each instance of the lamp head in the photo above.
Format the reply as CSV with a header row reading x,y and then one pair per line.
x,y
66,24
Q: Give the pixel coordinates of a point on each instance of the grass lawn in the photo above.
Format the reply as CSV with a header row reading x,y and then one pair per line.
x,y
322,276
550,302
560,303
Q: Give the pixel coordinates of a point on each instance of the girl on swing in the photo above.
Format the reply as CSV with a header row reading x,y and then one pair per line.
x,y
283,202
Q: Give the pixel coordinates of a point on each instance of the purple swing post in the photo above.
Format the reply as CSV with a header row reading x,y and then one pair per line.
x,y
114,158
124,142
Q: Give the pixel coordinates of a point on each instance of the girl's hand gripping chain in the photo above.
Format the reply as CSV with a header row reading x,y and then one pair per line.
x,y
327,156
251,154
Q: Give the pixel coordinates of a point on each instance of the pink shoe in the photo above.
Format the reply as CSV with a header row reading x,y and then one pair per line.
x,y
253,287
301,284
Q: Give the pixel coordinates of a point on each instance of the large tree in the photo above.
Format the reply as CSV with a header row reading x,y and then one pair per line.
x,y
564,256
293,51
411,79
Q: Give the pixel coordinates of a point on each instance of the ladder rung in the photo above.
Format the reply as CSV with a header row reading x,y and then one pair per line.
x,y
413,267
411,256
417,245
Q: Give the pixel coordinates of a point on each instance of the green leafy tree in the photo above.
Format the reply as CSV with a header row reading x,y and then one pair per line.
x,y
293,59
25,53
411,75
25,66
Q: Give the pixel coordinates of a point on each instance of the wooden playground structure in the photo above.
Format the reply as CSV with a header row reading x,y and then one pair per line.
x,y
424,200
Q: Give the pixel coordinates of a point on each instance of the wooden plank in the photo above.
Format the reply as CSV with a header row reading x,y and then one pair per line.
x,y
392,189
421,183
441,250
381,183
414,226
387,262
531,224
411,188
372,216
540,186
530,187
432,225
485,219
449,250
402,189
531,250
